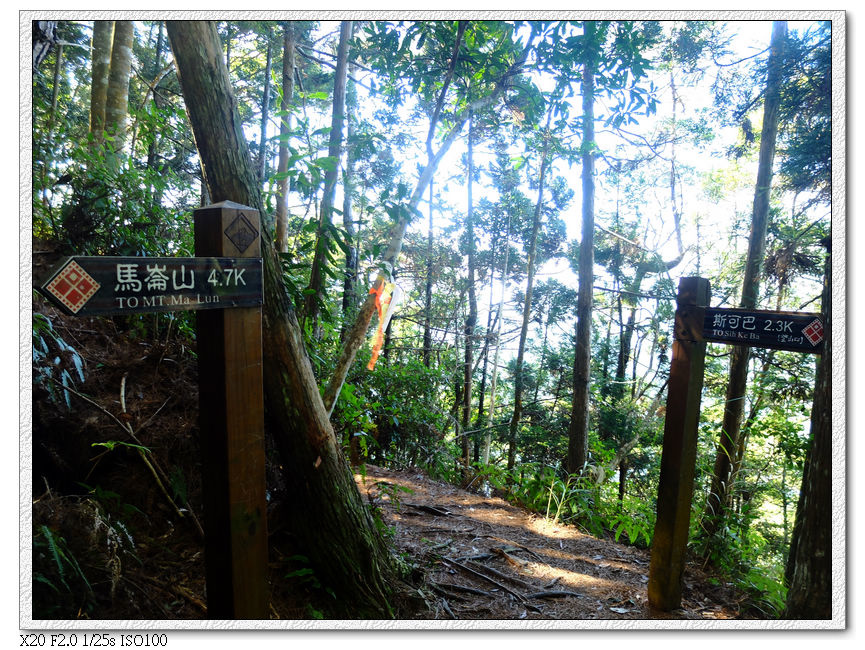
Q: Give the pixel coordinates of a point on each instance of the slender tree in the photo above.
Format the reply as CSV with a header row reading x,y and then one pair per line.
x,y
427,312
578,429
315,290
728,439
519,379
288,70
349,284
472,317
265,107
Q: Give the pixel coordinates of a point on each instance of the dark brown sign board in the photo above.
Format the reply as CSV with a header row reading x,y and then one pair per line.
x,y
781,330
91,286
695,324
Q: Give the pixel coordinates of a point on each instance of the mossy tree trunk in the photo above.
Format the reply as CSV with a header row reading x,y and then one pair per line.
x,y
328,518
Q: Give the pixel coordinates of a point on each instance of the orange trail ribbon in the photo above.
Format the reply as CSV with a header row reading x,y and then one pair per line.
x,y
382,302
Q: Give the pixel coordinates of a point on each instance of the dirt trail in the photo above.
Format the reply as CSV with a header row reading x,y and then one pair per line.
x,y
487,559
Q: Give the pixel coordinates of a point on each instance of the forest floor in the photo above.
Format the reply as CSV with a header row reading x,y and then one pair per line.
x,y
110,541
487,559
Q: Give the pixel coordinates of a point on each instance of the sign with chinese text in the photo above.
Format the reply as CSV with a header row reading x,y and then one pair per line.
x,y
122,285
794,331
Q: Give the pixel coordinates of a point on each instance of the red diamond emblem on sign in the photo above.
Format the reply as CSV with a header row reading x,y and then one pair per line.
x,y
814,331
73,286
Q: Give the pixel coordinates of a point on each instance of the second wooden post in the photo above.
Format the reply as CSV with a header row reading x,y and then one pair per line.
x,y
231,415
679,455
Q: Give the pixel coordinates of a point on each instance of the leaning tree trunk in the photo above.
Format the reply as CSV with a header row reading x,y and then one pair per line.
x,y
731,426
809,565
578,429
356,334
328,518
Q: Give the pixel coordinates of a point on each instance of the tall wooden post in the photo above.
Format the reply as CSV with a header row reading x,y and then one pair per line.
x,y
231,416
678,459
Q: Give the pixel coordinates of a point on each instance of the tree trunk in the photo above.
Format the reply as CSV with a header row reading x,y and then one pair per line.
x,y
472,318
155,196
322,239
578,430
349,284
732,421
117,97
48,158
481,422
427,312
485,454
328,518
265,111
809,564
103,36
524,331
288,65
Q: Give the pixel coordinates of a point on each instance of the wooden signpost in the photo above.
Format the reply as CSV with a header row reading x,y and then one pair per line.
x,y
695,324
224,281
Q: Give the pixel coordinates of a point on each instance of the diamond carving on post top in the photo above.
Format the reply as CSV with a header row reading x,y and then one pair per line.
x,y
73,286
814,331
241,233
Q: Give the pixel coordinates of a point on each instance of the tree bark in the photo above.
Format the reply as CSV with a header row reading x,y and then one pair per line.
x,y
103,36
316,276
578,429
117,96
328,518
728,439
809,564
